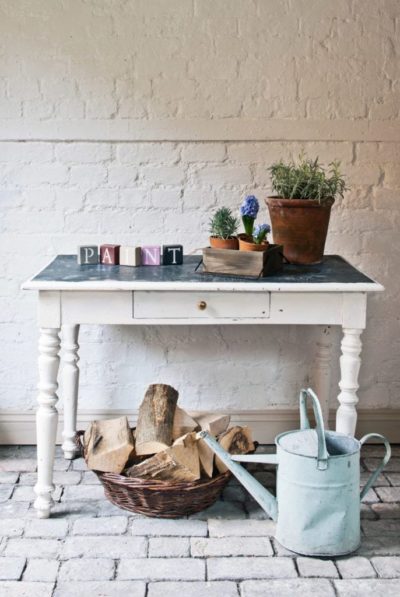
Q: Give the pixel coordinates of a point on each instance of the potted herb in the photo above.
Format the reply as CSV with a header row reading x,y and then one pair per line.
x,y
258,240
223,228
300,211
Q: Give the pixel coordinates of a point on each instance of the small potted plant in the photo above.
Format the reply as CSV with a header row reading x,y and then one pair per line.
x,y
258,240
300,211
249,211
253,239
223,228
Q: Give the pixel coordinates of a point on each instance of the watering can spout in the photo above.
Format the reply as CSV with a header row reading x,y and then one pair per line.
x,y
266,500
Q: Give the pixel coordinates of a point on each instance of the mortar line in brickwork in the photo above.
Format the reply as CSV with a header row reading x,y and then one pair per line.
x,y
202,141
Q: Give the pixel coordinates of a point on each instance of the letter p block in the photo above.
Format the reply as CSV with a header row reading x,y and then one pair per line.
x,y
88,255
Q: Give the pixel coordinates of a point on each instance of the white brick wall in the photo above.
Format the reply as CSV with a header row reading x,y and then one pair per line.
x,y
126,66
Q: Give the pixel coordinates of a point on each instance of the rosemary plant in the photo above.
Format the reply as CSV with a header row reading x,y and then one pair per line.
x,y
307,179
223,224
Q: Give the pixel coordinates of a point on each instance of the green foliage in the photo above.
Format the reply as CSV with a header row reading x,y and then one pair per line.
x,y
307,179
223,224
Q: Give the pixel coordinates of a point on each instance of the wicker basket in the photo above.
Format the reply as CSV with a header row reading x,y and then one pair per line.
x,y
160,499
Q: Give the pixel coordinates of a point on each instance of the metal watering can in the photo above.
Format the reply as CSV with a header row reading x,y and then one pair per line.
x,y
317,508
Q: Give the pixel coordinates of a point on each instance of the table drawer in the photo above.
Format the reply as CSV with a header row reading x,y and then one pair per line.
x,y
200,305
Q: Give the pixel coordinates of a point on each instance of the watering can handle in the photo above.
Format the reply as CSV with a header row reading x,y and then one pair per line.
x,y
305,424
384,462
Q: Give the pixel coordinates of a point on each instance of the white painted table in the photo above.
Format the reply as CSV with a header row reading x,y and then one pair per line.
x,y
332,293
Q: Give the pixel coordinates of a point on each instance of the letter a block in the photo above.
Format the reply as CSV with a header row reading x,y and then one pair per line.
x,y
172,255
130,256
88,255
151,255
109,254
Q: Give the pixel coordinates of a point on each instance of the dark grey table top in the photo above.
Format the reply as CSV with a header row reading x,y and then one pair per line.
x,y
64,272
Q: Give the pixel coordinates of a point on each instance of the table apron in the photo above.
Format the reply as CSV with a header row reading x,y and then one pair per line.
x,y
117,307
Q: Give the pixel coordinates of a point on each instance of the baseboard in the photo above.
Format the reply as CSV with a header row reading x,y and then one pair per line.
x,y
18,427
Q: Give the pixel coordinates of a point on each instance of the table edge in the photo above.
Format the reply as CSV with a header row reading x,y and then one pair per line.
x,y
108,285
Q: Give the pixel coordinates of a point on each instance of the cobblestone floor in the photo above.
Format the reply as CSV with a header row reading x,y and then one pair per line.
x,y
91,547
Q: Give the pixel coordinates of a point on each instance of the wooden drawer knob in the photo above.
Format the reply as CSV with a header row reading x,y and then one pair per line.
x,y
202,305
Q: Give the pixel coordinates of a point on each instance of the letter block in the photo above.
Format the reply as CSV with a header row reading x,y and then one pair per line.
x,y
88,254
151,255
109,254
131,256
172,254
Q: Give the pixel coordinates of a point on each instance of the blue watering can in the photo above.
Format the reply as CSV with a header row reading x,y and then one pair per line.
x,y
317,508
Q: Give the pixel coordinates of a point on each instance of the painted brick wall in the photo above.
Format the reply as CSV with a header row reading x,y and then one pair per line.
x,y
119,122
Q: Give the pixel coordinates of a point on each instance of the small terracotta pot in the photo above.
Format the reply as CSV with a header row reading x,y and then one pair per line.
x,y
231,243
301,226
247,245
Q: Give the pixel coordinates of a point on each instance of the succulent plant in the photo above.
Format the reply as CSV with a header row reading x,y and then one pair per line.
x,y
223,224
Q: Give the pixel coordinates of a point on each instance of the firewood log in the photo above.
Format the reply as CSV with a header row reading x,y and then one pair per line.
x,y
108,445
237,440
183,423
180,462
155,419
206,456
215,424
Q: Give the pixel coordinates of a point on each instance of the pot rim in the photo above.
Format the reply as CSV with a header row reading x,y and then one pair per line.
x,y
356,442
276,201
229,237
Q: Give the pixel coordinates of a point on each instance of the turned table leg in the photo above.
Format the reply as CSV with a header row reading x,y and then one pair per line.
x,y
46,418
70,383
323,373
346,416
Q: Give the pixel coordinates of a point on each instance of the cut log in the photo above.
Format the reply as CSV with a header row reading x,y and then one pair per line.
x,y
206,456
180,462
215,424
161,466
108,445
237,440
186,452
155,419
183,423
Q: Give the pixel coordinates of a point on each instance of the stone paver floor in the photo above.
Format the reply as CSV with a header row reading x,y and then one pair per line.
x,y
92,548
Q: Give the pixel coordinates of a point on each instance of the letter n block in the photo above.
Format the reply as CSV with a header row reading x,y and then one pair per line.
x,y
151,255
172,254
109,254
131,256
88,255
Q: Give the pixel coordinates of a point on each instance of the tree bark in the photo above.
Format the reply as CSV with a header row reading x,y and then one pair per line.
x,y
155,420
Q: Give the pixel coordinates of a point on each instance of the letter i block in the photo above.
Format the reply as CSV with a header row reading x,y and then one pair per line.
x,y
109,254
151,255
172,254
88,255
131,256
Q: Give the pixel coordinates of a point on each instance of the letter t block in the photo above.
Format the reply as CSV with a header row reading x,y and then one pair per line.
x,y
172,254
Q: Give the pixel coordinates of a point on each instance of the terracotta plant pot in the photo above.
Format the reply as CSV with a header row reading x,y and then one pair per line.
x,y
301,226
250,245
222,243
